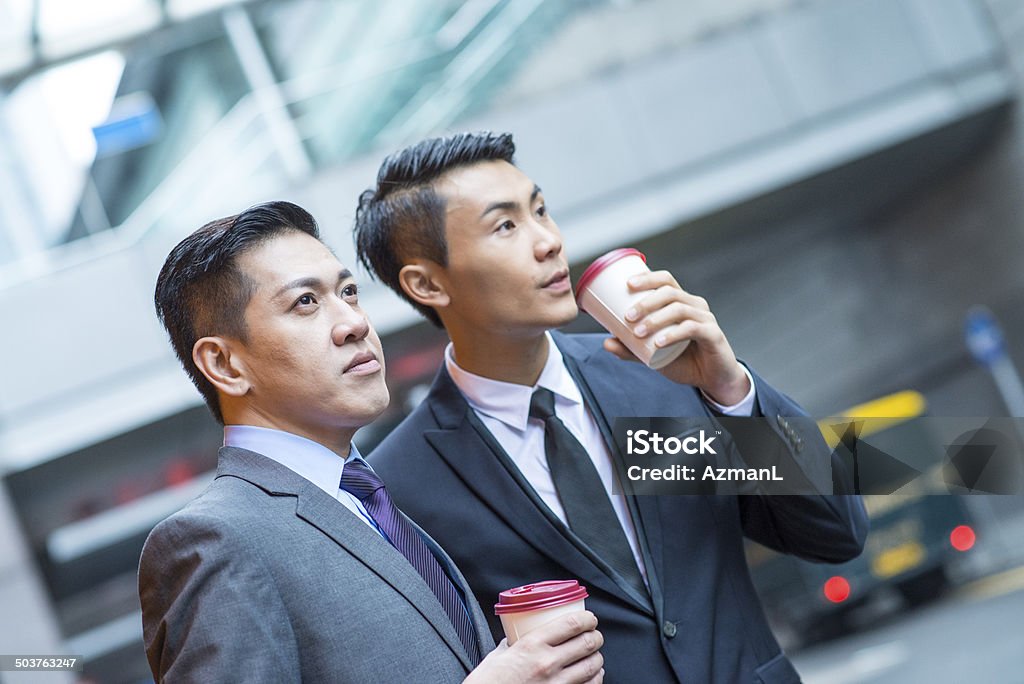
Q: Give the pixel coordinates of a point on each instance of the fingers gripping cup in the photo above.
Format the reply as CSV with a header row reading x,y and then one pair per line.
x,y
527,607
603,292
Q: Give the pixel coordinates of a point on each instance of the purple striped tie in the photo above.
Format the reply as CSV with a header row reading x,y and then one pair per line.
x,y
363,483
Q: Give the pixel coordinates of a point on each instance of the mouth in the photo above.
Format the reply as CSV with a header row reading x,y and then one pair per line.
x,y
363,363
559,282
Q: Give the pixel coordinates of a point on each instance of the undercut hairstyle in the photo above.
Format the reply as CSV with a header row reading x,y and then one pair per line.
x,y
403,217
201,291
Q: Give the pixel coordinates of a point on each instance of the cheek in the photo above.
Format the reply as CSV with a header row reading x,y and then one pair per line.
x,y
278,354
271,341
491,285
497,294
504,278
287,361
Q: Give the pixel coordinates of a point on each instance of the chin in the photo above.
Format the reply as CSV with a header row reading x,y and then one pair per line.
x,y
380,400
367,408
566,314
551,318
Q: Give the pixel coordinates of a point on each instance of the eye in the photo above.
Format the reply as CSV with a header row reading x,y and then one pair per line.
x,y
542,210
505,226
307,299
350,290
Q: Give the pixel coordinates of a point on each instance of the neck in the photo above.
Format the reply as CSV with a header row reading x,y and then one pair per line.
x,y
518,360
338,440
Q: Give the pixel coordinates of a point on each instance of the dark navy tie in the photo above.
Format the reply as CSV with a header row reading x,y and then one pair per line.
x,y
584,498
363,483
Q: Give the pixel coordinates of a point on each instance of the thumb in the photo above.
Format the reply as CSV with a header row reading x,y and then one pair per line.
x,y
615,346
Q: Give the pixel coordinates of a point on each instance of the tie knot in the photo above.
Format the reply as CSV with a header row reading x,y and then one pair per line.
x,y
357,479
542,404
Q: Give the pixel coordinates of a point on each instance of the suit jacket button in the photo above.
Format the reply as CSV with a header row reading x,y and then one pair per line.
x,y
669,629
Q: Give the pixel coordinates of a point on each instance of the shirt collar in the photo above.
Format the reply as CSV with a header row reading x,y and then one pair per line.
x,y
507,401
311,460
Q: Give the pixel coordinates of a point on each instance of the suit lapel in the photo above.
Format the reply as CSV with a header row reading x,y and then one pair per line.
x,y
609,395
464,443
329,516
476,616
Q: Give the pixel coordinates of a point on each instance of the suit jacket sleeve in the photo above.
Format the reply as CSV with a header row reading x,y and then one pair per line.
x,y
828,527
210,610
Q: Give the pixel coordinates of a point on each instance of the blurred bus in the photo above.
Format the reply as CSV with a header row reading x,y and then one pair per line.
x,y
916,535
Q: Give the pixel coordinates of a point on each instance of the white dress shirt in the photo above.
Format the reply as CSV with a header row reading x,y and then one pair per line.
x,y
308,459
504,409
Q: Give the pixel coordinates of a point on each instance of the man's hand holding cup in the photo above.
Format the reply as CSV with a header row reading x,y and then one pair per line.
x,y
657,322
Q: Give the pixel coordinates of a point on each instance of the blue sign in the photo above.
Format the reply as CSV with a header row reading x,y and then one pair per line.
x,y
984,336
134,121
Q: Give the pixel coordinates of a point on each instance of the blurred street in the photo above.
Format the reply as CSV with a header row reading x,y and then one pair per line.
x,y
971,635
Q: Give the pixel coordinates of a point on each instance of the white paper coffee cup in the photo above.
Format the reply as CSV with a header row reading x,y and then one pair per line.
x,y
602,291
527,607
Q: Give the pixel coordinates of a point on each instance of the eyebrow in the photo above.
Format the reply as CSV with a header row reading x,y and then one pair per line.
x,y
507,205
311,282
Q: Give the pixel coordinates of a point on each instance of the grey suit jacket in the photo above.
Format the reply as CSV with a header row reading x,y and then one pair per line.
x,y
266,578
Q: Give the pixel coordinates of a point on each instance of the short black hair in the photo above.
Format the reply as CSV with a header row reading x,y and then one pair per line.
x,y
403,218
201,291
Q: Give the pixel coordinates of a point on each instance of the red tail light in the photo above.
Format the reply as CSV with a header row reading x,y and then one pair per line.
x,y
837,589
962,538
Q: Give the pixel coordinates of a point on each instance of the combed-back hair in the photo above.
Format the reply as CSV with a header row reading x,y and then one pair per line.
x,y
201,291
403,217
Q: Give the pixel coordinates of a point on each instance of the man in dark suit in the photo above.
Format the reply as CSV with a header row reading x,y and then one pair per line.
x,y
295,564
510,460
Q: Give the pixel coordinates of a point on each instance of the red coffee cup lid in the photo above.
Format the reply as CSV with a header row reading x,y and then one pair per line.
x,y
603,262
538,596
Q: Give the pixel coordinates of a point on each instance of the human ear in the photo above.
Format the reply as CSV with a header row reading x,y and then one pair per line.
x,y
226,371
424,283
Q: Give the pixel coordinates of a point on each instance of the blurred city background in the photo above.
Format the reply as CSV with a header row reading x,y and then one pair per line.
x,y
841,179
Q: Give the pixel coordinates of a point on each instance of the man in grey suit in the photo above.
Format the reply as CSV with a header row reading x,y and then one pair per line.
x,y
294,565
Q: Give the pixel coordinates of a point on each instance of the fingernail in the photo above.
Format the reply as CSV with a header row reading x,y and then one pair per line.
x,y
631,315
640,330
634,281
659,340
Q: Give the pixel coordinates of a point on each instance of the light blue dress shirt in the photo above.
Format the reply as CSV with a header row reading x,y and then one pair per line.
x,y
307,458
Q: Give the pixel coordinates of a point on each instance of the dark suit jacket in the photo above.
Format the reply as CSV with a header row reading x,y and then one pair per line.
x,y
702,621
266,578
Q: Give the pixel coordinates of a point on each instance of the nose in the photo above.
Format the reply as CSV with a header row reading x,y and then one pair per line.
x,y
350,324
548,242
